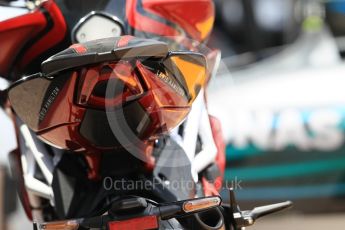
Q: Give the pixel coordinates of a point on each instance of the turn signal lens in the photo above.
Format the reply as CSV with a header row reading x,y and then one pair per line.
x,y
60,225
201,204
190,71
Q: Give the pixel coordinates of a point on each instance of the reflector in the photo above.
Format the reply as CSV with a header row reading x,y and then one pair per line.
x,y
141,223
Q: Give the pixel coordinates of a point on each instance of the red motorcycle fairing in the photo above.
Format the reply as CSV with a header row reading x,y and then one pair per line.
x,y
54,33
191,19
196,17
61,127
25,38
69,108
14,33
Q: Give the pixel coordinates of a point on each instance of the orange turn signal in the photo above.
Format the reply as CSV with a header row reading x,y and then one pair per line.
x,y
201,204
60,225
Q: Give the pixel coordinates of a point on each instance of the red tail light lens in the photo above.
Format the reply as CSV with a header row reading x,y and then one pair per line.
x,y
108,85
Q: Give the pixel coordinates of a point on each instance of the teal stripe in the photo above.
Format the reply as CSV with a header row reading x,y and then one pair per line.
x,y
285,170
233,153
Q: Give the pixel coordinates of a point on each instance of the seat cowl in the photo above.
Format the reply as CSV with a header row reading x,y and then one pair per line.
x,y
104,50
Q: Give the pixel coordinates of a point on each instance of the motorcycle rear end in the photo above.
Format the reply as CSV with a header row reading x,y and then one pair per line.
x,y
76,190
92,134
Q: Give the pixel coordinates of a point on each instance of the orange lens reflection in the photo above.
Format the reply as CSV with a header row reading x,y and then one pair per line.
x,y
193,71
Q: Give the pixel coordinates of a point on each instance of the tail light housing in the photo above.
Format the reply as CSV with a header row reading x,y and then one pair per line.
x,y
93,83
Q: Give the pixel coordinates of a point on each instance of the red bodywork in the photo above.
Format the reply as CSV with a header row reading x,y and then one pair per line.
x,y
14,33
56,34
57,127
181,19
26,37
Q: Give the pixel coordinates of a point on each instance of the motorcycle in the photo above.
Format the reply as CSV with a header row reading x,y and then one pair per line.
x,y
93,126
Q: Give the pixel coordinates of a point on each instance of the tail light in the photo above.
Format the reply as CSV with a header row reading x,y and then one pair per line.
x,y
108,85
